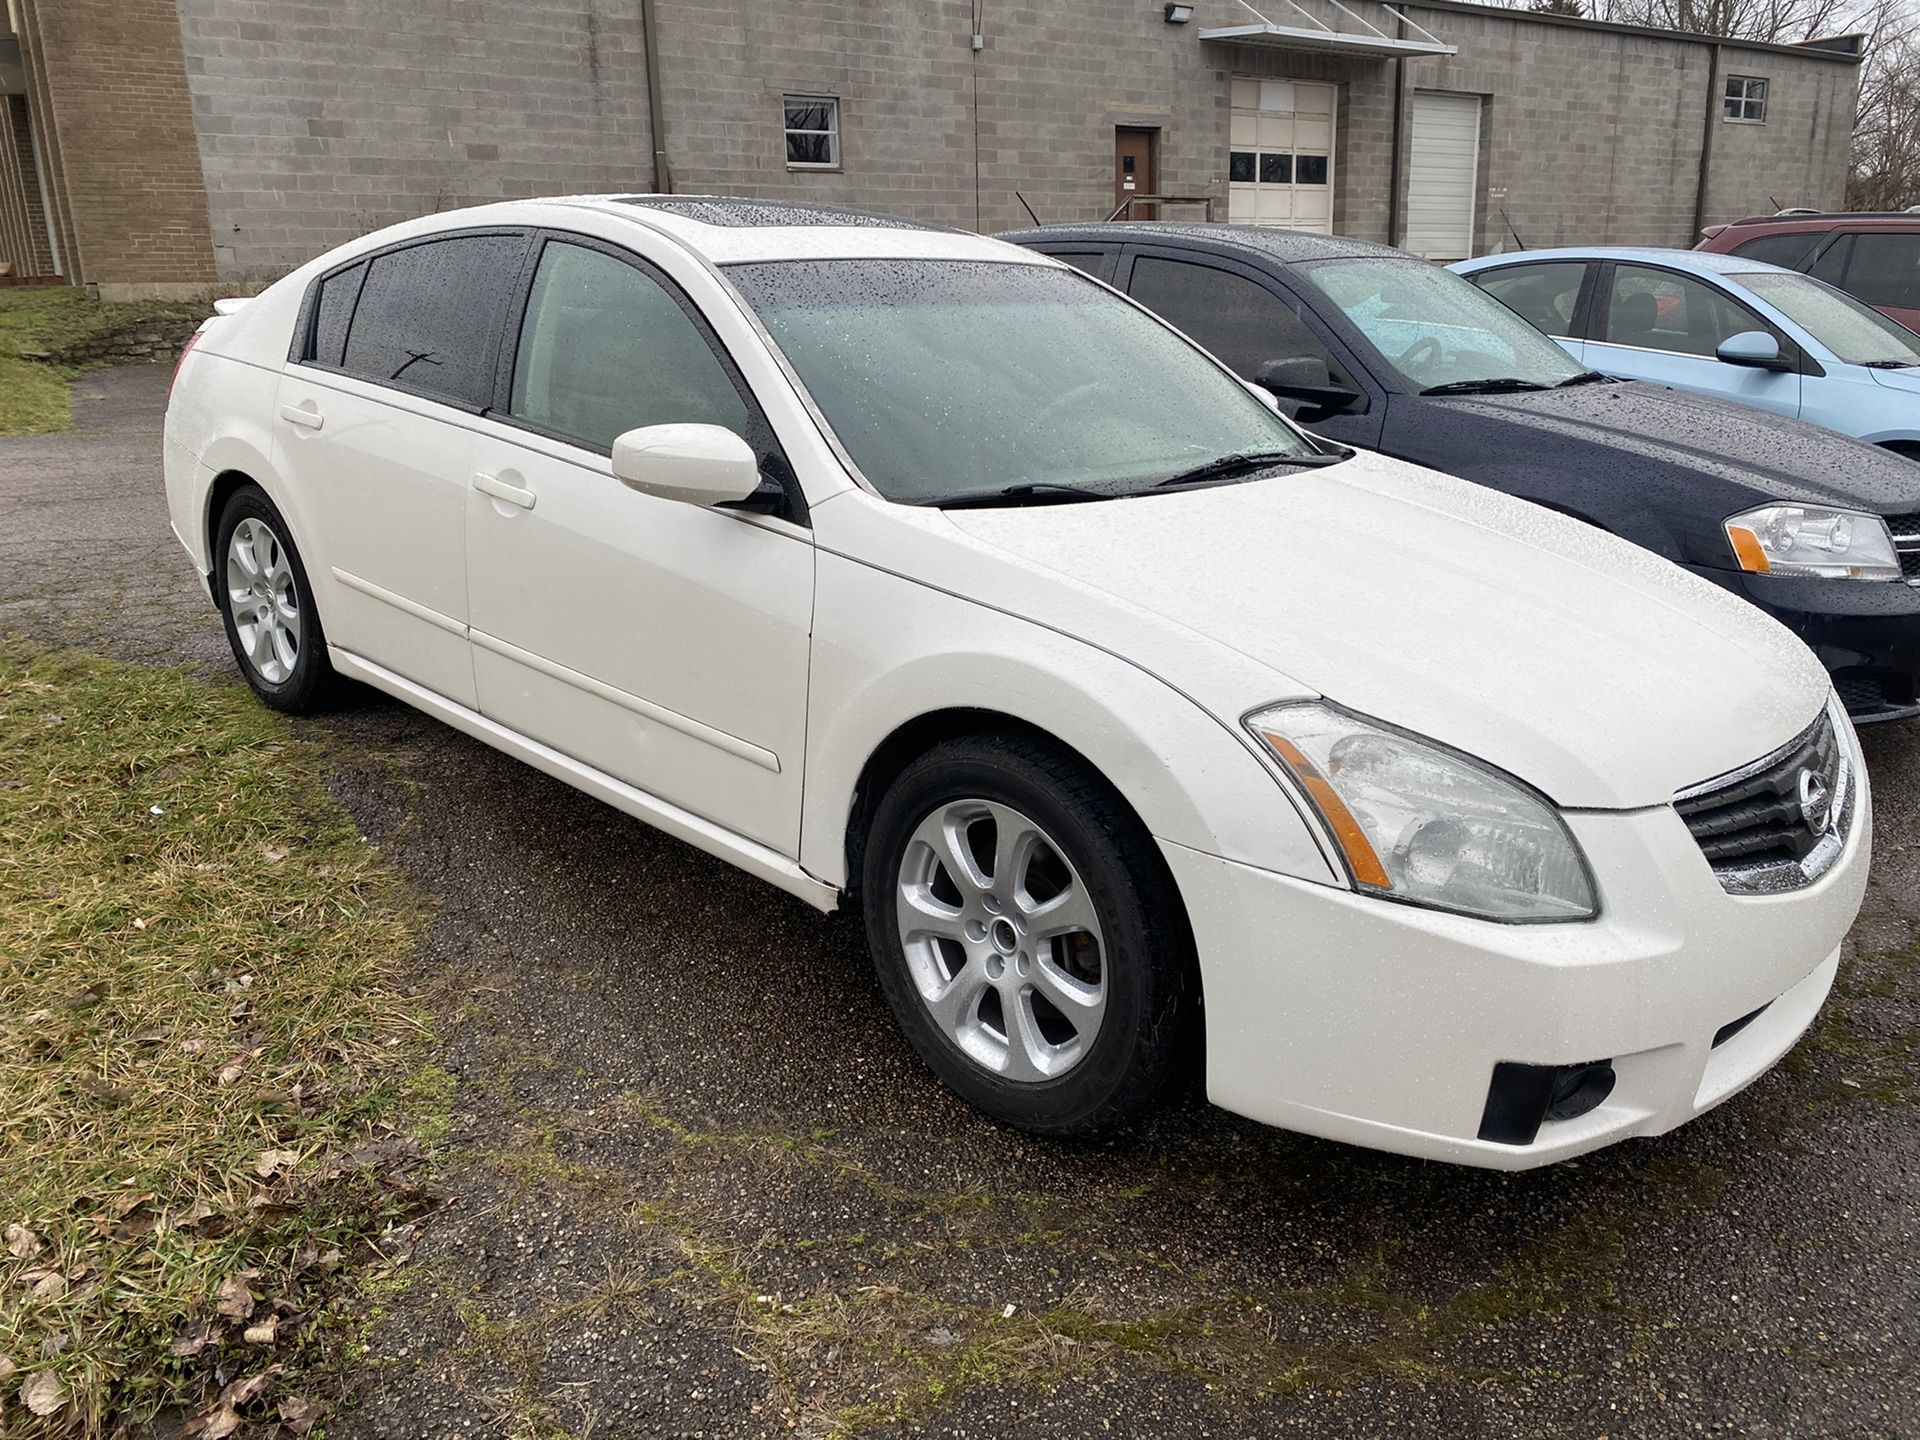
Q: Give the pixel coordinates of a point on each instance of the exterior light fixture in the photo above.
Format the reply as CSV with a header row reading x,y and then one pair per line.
x,y
1179,14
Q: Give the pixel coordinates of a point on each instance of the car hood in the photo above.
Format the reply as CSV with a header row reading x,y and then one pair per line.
x,y
1907,382
1592,669
1756,455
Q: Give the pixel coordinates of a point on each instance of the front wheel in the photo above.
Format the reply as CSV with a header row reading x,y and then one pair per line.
x,y
267,606
1027,935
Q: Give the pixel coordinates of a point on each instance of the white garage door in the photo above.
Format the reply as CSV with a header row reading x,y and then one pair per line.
x,y
1441,181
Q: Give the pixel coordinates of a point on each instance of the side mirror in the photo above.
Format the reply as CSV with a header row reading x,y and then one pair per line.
x,y
696,464
1753,348
1304,378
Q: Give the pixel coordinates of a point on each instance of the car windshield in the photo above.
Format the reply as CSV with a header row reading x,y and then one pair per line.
x,y
1436,330
1857,334
955,381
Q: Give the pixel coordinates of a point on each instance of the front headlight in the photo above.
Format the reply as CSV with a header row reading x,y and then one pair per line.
x,y
1813,540
1420,823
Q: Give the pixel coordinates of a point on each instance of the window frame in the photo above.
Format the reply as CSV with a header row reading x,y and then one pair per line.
x,y
776,466
301,345
1578,322
832,132
1347,356
1790,349
1746,98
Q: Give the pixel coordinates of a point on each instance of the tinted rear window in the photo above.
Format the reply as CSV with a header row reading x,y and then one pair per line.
x,y
1790,250
429,315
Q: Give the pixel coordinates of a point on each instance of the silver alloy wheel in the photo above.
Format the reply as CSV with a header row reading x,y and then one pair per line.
x,y
1002,940
263,601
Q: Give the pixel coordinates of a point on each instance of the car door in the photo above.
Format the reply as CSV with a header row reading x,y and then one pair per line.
x,y
1659,325
1544,293
1247,319
1884,271
663,643
393,358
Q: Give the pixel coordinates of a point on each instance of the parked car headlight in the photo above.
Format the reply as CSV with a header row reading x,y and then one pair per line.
x,y
1813,540
1422,824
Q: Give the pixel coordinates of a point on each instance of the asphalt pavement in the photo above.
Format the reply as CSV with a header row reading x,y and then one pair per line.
x,y
705,1189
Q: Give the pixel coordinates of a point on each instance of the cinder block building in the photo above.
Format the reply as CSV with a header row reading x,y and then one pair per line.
x,y
172,146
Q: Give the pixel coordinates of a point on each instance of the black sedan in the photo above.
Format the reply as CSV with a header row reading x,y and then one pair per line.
x,y
1369,345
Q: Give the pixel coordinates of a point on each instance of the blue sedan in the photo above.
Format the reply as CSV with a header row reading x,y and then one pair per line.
x,y
1724,326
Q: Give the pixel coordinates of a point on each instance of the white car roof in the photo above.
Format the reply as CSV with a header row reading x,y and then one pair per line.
x,y
729,230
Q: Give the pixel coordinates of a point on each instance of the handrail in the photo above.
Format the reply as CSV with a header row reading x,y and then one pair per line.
x,y
1127,204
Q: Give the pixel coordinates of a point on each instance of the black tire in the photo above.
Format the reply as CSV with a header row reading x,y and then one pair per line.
x,y
1151,985
311,683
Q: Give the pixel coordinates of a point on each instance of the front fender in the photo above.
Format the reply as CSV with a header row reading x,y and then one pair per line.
x,y
889,651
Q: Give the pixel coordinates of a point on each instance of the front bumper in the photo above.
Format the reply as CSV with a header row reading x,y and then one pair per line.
x,y
1380,1024
1867,635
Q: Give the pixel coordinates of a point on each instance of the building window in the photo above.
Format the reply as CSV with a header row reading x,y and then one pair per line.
x,y
1746,100
813,132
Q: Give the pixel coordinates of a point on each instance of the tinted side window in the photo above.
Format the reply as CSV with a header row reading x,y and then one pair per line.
x,y
1242,322
1790,251
1093,262
604,348
1544,295
1658,310
1885,270
428,316
332,312
1832,264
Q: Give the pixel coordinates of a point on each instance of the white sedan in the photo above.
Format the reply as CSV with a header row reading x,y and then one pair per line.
x,y
901,565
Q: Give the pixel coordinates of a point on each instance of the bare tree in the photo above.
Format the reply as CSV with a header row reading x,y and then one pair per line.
x,y
1886,137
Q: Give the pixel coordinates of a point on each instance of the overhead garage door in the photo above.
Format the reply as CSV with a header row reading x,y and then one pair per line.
x,y
1441,179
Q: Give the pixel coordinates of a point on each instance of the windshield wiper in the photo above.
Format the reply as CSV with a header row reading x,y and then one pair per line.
x,y
1246,460
1890,364
1586,377
1042,491
1499,384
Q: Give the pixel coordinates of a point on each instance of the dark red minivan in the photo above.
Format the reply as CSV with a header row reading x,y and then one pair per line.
x,y
1873,257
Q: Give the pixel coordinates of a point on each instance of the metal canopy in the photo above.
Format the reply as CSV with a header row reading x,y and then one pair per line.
x,y
1364,38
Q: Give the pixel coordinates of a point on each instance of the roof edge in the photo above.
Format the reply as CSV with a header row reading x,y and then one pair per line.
x,y
1820,48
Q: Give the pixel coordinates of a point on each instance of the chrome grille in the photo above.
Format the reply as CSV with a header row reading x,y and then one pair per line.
x,y
1780,822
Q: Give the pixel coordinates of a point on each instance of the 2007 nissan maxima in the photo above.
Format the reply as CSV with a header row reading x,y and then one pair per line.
x,y
906,565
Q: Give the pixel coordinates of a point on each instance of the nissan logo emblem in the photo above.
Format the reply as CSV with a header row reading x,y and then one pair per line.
x,y
1816,800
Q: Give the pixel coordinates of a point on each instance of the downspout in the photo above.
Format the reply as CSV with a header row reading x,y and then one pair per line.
x,y
1399,105
1707,132
656,105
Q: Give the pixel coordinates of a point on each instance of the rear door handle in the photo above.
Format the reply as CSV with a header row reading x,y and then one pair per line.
x,y
305,416
500,490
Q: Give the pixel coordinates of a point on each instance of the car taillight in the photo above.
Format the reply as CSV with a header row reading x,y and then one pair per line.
x,y
185,350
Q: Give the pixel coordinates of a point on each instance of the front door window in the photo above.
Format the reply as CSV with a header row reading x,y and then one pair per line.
x,y
1280,154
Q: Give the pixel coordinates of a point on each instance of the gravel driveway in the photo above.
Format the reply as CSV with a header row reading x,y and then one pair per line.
x,y
704,1188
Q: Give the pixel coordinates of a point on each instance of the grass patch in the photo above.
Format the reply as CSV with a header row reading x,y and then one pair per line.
x,y
211,1084
53,320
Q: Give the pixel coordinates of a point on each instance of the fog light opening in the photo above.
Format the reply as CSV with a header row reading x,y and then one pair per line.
x,y
1579,1089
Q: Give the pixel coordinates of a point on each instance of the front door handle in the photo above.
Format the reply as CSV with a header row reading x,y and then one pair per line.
x,y
500,490
304,415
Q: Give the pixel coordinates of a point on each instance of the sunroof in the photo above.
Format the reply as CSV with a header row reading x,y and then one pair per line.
x,y
716,210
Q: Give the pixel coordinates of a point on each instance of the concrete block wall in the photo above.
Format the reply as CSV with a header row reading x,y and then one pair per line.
x,y
321,120
1799,156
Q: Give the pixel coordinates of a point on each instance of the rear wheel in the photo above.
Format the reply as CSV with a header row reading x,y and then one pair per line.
x,y
262,591
1027,935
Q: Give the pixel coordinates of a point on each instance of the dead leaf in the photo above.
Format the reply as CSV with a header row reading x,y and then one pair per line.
x,y
273,854
92,995
214,1424
300,1413
50,1286
235,1297
7,1368
275,1162
197,1214
241,1391
262,1332
22,1243
192,1340
230,1072
138,923
43,1393
92,1085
